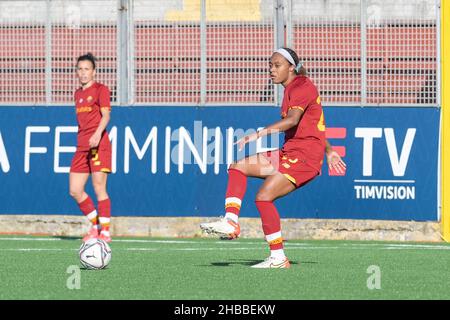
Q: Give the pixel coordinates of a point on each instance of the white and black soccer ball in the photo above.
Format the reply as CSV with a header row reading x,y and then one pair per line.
x,y
95,254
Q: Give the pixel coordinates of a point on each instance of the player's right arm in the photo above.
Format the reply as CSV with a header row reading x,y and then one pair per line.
x,y
291,120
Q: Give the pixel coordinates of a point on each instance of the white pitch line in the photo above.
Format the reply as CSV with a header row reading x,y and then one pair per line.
x,y
31,239
404,246
236,248
292,248
36,249
415,245
420,248
200,241
189,249
226,244
154,241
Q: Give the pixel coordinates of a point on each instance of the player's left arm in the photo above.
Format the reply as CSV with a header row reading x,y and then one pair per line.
x,y
105,109
95,138
334,160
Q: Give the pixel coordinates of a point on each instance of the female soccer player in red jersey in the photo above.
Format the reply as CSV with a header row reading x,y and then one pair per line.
x,y
298,162
93,153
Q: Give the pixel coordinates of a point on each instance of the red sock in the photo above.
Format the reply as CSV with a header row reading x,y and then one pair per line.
x,y
104,211
88,209
237,185
271,224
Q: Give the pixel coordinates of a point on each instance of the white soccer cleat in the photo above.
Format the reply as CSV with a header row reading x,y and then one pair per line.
x,y
224,228
272,262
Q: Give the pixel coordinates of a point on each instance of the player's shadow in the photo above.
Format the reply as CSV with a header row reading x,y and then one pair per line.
x,y
84,269
66,237
247,262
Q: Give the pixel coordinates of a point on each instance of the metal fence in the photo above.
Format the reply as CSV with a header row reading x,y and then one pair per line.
x,y
212,52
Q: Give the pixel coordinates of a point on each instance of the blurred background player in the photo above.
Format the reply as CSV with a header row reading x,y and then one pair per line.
x,y
93,154
298,162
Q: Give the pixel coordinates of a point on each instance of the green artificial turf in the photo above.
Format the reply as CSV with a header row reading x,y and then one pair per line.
x,y
204,268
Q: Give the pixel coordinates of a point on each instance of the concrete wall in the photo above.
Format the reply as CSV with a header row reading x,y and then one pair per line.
x,y
318,229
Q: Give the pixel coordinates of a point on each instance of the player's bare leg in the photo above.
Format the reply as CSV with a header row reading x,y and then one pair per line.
x,y
274,187
257,166
77,183
99,180
253,166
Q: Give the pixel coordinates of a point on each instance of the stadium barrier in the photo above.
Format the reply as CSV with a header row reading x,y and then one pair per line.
x,y
161,154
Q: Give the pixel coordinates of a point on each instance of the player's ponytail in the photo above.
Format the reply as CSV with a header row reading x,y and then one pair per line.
x,y
299,68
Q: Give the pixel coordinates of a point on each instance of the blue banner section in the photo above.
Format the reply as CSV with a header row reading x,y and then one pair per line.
x,y
172,161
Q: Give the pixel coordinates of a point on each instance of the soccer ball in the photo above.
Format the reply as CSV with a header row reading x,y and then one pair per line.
x,y
95,254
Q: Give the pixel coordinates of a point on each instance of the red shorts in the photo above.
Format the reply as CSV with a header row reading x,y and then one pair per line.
x,y
293,166
93,160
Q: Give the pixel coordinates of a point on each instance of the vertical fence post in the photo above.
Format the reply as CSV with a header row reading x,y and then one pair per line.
x,y
363,28
279,41
445,118
203,53
122,52
48,54
289,26
130,53
438,53
439,105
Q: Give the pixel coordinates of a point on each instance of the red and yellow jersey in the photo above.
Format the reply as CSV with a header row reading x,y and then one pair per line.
x,y
88,105
308,137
